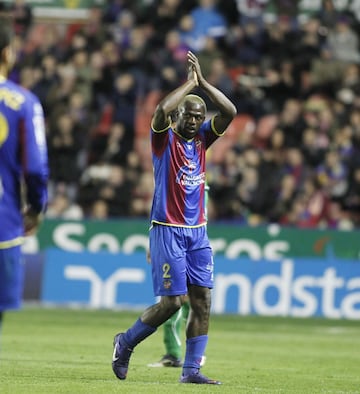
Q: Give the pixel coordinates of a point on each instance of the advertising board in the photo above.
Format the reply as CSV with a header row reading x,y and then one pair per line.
x,y
291,287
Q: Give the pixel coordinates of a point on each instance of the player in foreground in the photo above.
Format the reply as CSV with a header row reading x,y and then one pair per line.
x,y
180,252
23,172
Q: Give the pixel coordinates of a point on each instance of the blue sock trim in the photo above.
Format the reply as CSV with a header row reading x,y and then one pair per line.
x,y
195,349
137,333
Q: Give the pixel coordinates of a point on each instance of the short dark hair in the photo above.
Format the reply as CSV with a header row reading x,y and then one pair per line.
x,y
6,32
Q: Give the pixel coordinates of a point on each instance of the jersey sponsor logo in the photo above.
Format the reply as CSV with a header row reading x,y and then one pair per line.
x,y
185,177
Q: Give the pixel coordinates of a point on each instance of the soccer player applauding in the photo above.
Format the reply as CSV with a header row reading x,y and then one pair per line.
x,y
180,252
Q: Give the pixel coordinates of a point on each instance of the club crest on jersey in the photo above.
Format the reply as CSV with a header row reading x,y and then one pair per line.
x,y
167,284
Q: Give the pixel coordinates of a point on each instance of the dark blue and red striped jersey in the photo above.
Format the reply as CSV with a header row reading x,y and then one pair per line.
x,y
179,175
23,159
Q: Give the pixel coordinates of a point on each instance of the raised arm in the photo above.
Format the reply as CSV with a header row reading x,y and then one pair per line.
x,y
226,108
168,104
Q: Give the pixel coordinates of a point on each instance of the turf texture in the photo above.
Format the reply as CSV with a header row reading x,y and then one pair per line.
x,y
51,350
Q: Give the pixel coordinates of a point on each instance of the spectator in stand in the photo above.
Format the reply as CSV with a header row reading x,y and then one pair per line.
x,y
108,183
23,16
219,77
64,148
333,175
124,99
280,40
135,167
328,15
99,210
354,119
343,43
351,201
310,44
115,191
48,78
251,46
121,30
112,11
337,218
312,151
164,16
251,10
294,165
62,88
279,85
142,194
83,74
284,198
93,28
61,207
209,53
167,62
105,63
91,179
249,91
112,147
276,147
343,143
315,204
292,123
207,21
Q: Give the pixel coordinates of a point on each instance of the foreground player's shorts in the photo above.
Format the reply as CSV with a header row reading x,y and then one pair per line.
x,y
11,278
180,255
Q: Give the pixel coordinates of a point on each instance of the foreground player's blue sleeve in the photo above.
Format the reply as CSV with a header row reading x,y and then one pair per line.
x,y
23,160
34,150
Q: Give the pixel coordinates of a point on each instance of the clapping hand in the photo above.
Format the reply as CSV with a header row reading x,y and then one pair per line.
x,y
195,68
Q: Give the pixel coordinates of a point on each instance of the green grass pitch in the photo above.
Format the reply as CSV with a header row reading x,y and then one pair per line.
x,y
46,350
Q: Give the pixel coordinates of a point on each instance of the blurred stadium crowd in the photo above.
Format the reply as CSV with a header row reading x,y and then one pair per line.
x,y
292,155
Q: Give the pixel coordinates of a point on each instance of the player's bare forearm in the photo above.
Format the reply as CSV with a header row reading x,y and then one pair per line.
x,y
225,106
227,110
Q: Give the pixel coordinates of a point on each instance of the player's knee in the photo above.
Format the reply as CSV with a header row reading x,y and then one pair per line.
x,y
200,301
172,304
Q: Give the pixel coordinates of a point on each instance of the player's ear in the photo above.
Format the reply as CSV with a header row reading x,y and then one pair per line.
x,y
174,115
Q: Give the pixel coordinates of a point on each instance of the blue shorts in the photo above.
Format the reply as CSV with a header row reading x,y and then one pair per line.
x,y
11,278
180,256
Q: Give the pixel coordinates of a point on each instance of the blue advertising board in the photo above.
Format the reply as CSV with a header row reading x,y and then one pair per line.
x,y
292,287
98,280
